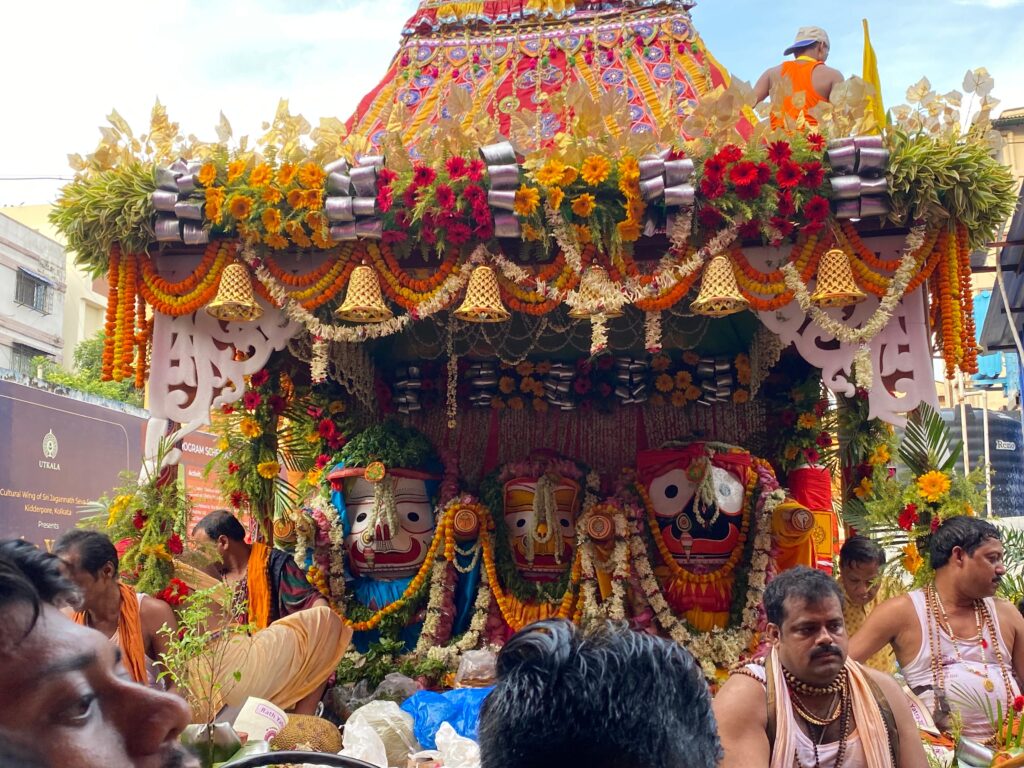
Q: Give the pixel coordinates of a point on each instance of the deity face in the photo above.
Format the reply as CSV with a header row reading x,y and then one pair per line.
x,y
379,551
699,539
552,550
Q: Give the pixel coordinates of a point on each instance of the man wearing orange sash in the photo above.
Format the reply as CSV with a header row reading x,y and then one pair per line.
x,y
134,622
299,639
809,705
807,74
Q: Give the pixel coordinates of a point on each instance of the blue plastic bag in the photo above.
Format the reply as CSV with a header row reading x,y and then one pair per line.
x,y
460,707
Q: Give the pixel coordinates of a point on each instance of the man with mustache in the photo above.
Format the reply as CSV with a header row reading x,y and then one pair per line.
x,y
958,646
809,705
299,639
68,701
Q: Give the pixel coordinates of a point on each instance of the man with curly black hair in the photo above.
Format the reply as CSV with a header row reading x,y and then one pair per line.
x,y
68,702
604,697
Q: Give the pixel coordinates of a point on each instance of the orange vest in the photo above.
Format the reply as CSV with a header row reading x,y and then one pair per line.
x,y
800,72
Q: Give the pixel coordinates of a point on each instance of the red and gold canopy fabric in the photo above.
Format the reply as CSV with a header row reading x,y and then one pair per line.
x,y
493,60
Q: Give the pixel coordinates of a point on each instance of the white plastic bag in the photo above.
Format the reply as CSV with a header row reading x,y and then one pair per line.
x,y
393,729
457,751
360,740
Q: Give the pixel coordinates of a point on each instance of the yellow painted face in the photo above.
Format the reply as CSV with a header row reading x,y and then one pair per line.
x,y
552,550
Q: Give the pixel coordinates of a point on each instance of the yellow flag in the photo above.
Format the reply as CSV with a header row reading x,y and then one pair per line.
x,y
871,76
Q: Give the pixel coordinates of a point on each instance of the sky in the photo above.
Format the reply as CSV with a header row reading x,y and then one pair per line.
x,y
67,63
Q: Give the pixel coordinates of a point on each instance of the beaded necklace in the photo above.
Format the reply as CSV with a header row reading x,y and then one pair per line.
x,y
844,735
983,620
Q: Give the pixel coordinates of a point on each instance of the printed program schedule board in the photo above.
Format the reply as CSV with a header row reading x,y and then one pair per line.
x,y
57,454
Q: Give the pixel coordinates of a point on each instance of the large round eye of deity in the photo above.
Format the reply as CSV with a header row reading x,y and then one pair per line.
x,y
373,548
671,492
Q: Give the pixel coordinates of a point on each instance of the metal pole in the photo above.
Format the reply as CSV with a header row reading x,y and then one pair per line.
x,y
963,421
988,454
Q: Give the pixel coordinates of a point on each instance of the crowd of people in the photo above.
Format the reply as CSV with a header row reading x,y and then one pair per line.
x,y
80,664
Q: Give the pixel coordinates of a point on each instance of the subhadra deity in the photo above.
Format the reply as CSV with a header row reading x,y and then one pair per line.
x,y
532,562
386,509
700,501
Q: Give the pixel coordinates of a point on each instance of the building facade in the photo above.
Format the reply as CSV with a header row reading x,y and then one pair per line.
x,y
32,289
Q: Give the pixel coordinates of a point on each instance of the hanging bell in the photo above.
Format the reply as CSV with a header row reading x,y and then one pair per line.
x,y
363,301
234,301
592,298
719,292
836,287
483,299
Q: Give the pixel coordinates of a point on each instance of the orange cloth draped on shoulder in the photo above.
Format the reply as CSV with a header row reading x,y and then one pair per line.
x,y
129,629
800,73
258,585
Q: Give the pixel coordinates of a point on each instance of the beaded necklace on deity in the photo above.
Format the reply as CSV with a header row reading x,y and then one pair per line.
x,y
840,710
983,621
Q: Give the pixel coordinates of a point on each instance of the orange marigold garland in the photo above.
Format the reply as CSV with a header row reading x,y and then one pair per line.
x,y
192,293
970,342
110,326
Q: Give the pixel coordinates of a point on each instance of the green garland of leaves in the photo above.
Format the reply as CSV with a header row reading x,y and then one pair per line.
x,y
392,443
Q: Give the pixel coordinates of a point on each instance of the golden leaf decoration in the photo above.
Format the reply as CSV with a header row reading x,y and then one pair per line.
x,y
223,129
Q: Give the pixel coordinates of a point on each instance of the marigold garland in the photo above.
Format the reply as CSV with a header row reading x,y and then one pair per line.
x,y
110,326
192,293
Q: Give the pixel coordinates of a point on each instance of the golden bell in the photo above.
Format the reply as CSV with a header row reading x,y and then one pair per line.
x,y
483,299
592,295
234,300
363,301
836,287
719,292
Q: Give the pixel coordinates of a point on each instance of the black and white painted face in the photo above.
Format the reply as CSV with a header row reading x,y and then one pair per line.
x,y
380,551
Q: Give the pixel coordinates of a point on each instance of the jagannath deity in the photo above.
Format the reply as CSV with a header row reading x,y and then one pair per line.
x,y
701,501
384,490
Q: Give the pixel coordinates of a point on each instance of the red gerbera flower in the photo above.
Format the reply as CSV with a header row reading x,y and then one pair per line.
x,y
174,545
322,460
481,214
816,141
237,497
785,226
251,400
385,199
581,386
764,173
483,231
1018,703
456,166
138,520
750,230
227,409
337,484
748,191
474,193
784,206
824,440
814,175
402,219
475,172
714,166
710,217
789,174
385,176
730,153
445,197
423,175
816,209
743,174
779,151
232,467
410,196
457,233
811,455
393,236
326,429
712,187
935,524
908,517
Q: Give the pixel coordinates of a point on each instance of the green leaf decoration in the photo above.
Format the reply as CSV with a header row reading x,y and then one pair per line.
x,y
926,444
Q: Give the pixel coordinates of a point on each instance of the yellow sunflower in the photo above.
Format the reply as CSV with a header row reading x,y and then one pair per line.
x,y
741,396
271,220
791,452
311,175
683,380
691,358
664,383
584,205
692,392
516,403
678,399
277,241
336,407
912,559
268,469
569,175
240,206
507,385
235,169
933,485
556,197
250,428
259,177
531,233
595,169
543,368
660,362
285,174
272,195
540,405
629,231
207,174
582,234
629,169
527,200
524,368
551,173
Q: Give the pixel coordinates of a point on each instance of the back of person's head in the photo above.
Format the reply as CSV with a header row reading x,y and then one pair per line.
x,y
603,697
962,531
94,549
219,523
801,583
858,550
29,576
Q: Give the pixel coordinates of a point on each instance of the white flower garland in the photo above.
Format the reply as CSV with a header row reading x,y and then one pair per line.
x,y
318,363
652,332
598,334
719,648
909,262
617,567
444,297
